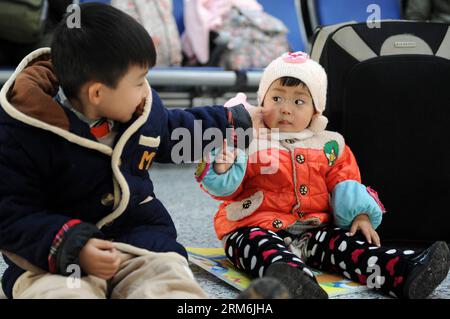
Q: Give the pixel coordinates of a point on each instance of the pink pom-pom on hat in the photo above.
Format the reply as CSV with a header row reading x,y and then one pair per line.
x,y
295,57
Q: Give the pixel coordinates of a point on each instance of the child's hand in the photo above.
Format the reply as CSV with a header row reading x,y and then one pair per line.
x,y
224,160
100,258
362,223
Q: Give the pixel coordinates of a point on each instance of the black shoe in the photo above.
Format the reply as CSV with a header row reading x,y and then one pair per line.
x,y
427,271
299,284
265,288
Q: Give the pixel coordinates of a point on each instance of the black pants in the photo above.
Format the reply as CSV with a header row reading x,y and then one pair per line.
x,y
329,249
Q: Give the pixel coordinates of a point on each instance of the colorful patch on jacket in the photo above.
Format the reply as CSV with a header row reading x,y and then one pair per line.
x,y
331,150
146,160
201,171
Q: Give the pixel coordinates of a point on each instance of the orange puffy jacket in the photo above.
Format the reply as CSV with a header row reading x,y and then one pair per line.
x,y
286,180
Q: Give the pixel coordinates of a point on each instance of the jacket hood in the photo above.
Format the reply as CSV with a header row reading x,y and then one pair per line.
x,y
32,88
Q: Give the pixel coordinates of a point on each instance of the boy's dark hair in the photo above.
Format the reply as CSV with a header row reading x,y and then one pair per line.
x,y
290,81
107,43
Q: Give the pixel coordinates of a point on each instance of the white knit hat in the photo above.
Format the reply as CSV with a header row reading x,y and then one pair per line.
x,y
298,65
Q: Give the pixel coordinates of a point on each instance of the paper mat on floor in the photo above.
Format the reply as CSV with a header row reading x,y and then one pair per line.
x,y
214,261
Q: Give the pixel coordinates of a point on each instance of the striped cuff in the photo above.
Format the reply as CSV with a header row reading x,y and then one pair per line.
x,y
238,116
57,242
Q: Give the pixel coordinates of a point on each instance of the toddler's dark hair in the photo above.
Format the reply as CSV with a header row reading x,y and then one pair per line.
x,y
290,81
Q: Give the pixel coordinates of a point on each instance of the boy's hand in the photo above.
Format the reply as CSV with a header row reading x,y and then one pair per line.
x,y
224,160
259,128
100,258
362,223
257,117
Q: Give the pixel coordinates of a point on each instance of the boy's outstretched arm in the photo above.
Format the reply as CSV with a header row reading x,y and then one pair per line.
x,y
188,132
30,233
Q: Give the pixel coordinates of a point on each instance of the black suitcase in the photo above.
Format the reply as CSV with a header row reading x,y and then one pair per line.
x,y
389,95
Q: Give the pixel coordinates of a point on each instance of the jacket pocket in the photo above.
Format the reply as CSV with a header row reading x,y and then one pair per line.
x,y
146,200
144,154
244,208
149,141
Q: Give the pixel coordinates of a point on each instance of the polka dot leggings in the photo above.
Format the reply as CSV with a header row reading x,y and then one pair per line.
x,y
253,250
330,249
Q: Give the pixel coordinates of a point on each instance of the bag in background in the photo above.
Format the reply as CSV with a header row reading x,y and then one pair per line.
x,y
22,21
157,18
249,39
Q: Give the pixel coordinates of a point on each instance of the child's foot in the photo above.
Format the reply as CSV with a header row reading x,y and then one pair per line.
x,y
265,288
299,284
428,270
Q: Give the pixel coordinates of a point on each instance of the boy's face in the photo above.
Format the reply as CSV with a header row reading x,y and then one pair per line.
x,y
288,108
121,103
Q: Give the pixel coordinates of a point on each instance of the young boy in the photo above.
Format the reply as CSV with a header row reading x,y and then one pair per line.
x,y
79,129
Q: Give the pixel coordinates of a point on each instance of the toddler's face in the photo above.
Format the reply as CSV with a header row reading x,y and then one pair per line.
x,y
288,108
120,103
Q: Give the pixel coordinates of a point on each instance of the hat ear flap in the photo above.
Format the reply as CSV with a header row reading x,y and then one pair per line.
x,y
318,123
